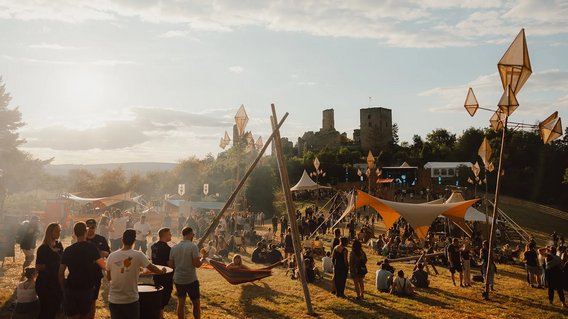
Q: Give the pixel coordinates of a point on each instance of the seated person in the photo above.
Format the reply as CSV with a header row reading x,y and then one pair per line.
x,y
257,255
237,263
222,247
383,279
420,277
400,285
291,268
310,270
210,250
387,265
327,263
274,255
318,245
27,303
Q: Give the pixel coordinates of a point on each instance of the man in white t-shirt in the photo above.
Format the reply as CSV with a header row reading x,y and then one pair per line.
x,y
142,229
184,258
117,227
122,270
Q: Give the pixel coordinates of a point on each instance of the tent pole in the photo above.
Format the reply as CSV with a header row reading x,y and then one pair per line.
x,y
239,186
290,208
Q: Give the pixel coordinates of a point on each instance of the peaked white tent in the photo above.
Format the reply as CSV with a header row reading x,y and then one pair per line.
x,y
306,183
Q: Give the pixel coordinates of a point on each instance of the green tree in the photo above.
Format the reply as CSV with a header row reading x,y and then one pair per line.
x,y
19,170
262,185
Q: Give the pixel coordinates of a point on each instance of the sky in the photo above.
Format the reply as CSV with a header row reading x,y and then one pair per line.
x,y
112,81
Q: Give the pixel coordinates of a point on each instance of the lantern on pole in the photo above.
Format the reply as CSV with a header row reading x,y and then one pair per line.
x,y
471,105
515,65
241,119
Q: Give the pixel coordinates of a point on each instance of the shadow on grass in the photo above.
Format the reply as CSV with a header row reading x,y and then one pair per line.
x,y
263,294
369,310
544,306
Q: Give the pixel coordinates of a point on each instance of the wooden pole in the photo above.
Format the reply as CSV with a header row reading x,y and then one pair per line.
x,y
495,212
239,186
282,168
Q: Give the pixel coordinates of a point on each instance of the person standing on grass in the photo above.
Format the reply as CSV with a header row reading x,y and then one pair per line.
x,y
455,261
553,274
358,268
184,258
465,258
340,267
78,286
47,264
484,255
122,271
104,250
142,229
530,257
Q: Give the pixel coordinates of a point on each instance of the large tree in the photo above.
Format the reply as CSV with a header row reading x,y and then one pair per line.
x,y
19,171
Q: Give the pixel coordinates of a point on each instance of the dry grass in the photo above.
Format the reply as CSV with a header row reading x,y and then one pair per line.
x,y
280,297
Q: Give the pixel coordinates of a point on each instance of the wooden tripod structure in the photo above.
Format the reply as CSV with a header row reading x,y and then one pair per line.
x,y
275,138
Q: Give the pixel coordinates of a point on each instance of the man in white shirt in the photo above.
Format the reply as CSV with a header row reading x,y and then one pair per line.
x,y
122,270
327,263
142,229
383,279
117,227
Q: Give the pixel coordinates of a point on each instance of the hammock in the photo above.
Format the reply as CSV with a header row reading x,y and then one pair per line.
x,y
241,276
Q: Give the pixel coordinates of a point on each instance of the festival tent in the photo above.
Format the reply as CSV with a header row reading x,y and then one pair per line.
x,y
306,184
105,201
471,214
419,216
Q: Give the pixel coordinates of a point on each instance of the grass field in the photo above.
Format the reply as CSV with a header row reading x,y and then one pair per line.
x,y
280,297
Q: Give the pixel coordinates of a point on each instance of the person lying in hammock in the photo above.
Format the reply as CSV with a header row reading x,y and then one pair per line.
x,y
237,263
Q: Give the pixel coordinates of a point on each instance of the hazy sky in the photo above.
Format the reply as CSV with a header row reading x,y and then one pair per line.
x,y
143,80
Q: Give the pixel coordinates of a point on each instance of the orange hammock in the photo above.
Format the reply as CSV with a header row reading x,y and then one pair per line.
x,y
240,276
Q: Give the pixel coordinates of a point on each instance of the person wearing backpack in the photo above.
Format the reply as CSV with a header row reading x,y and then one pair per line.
x,y
401,286
26,238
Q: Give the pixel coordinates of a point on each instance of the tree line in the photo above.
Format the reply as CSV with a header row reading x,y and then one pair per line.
x,y
533,171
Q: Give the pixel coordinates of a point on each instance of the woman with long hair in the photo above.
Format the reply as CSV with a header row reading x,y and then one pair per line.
x,y
47,263
340,267
358,268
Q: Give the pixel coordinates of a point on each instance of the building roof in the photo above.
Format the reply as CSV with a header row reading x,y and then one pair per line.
x,y
446,164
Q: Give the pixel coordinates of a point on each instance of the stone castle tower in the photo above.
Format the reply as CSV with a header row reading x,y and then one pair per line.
x,y
376,129
328,121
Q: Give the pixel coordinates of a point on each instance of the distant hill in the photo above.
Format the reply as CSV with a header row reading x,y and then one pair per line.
x,y
63,169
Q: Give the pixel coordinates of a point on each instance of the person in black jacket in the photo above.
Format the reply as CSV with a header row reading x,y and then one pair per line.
x,y
47,263
160,256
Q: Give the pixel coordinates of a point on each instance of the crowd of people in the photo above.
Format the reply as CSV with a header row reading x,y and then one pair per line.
x,y
69,278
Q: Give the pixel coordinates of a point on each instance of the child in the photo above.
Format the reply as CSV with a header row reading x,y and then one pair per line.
x,y
27,303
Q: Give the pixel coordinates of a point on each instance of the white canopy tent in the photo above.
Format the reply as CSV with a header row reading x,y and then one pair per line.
x,y
306,184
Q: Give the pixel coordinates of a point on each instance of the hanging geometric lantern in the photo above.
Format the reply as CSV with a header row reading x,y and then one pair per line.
x,y
222,143
508,102
551,128
241,119
485,152
475,169
515,65
497,120
471,105
316,163
370,159
226,138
